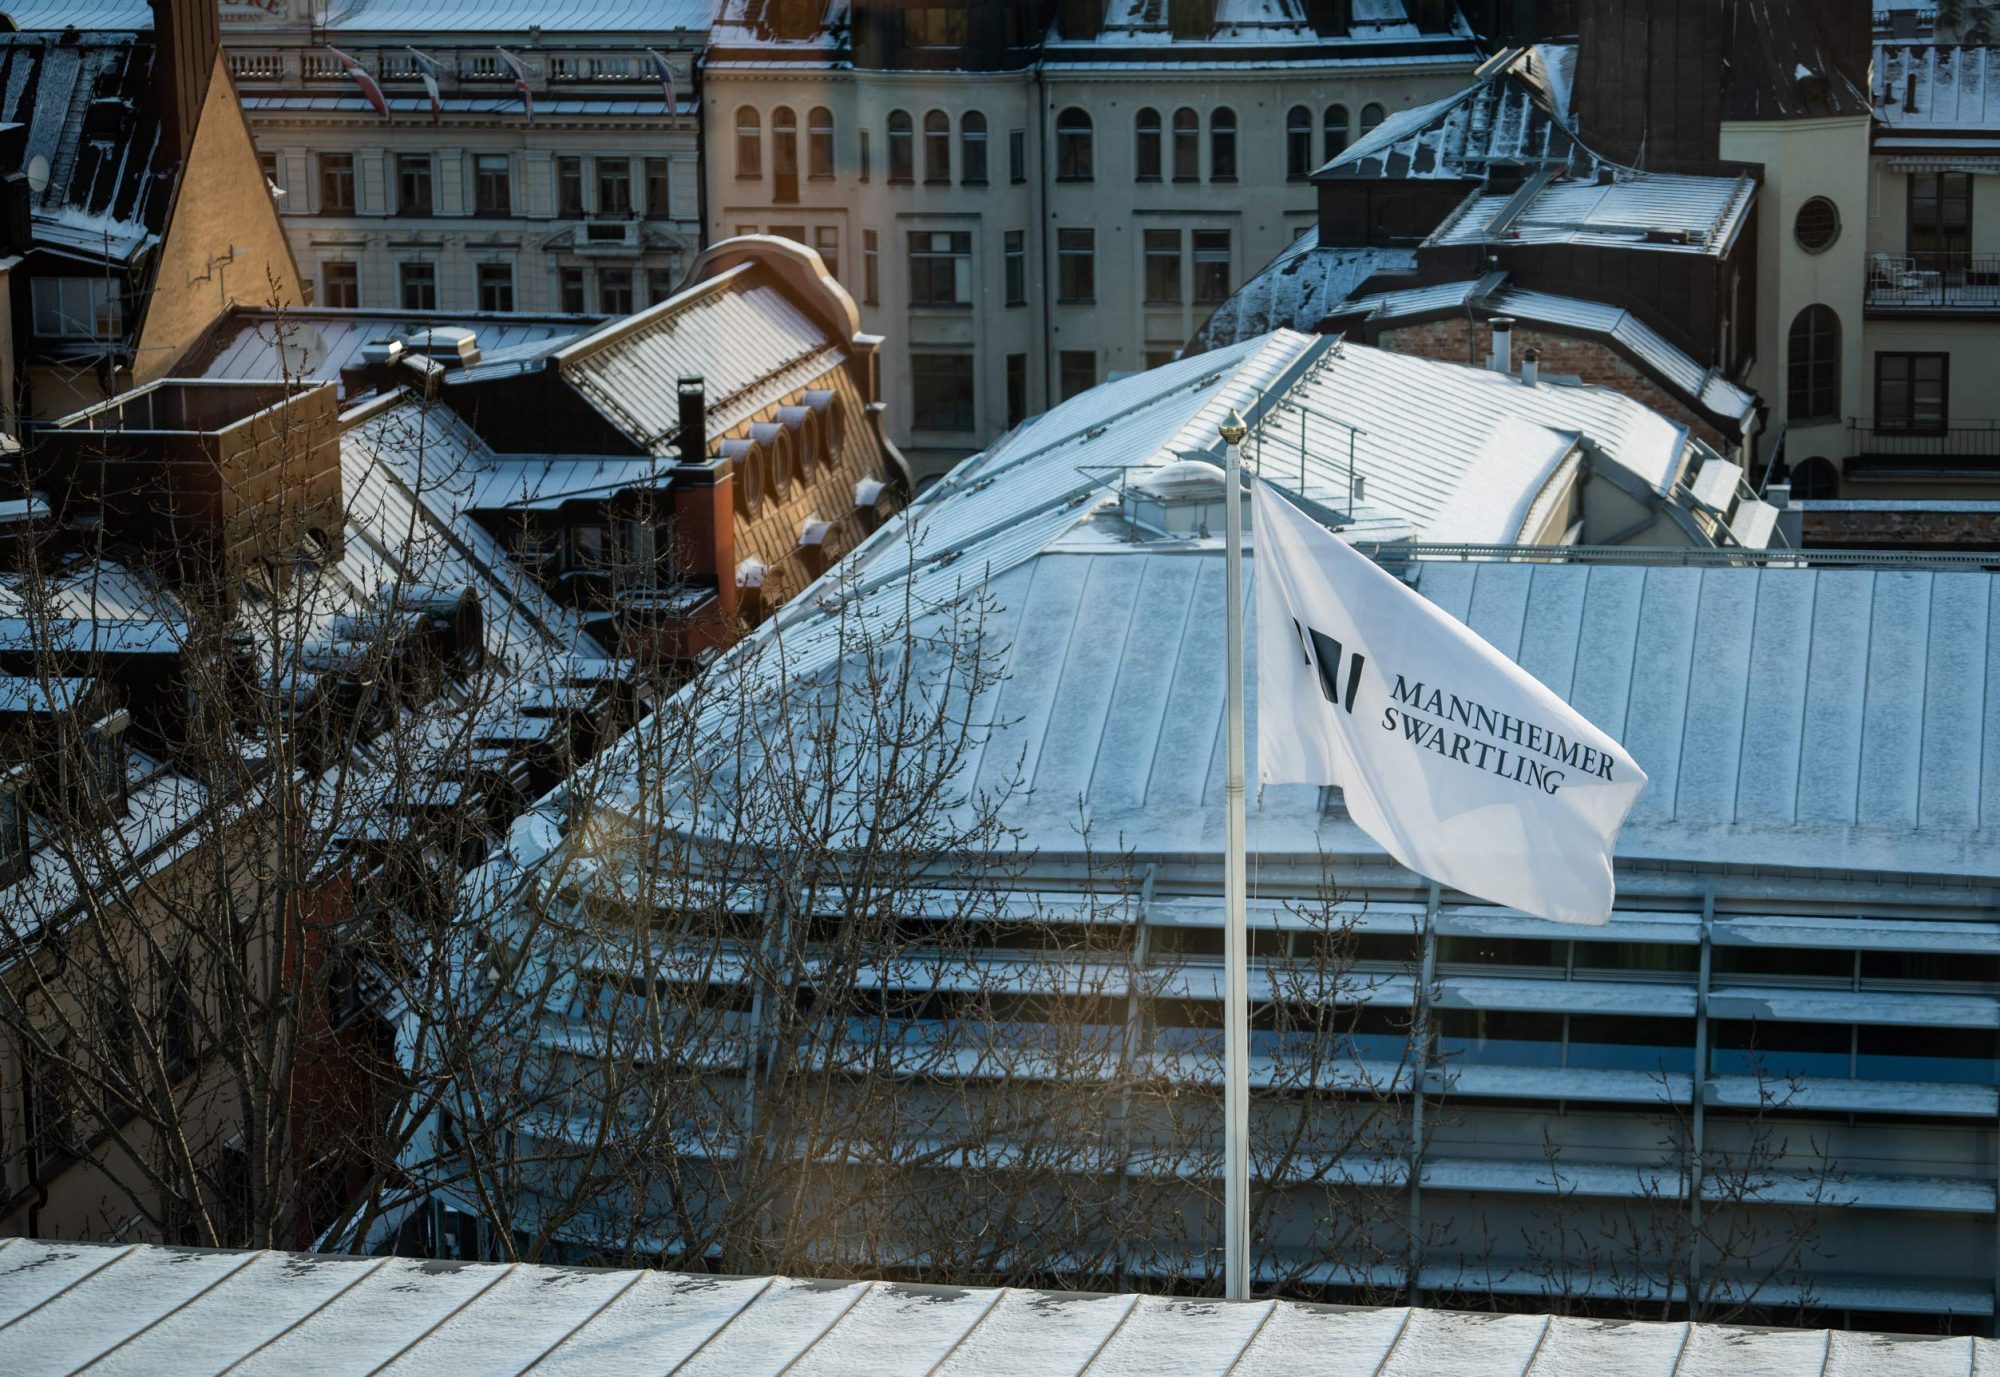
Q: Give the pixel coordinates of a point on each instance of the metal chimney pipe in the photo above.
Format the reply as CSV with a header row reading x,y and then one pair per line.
x,y
693,437
1531,366
1502,360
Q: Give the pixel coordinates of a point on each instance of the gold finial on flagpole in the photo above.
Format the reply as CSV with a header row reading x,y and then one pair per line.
x,y
1233,428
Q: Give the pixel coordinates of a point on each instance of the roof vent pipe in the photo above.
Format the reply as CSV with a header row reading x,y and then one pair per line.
x,y
1502,360
693,437
1910,93
1531,366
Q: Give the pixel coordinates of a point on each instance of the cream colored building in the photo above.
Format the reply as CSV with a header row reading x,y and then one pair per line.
x,y
590,206
1027,203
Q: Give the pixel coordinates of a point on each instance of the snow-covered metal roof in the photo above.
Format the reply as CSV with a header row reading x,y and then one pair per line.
x,y
1700,386
108,189
1936,88
1296,290
1666,212
142,1309
1807,716
317,343
748,340
1515,113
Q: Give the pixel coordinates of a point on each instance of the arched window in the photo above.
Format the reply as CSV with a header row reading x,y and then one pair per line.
x,y
1371,115
819,142
785,146
1187,145
1814,479
1146,146
1075,151
749,143
1222,145
902,147
972,148
1336,126
1812,366
937,147
774,441
1298,143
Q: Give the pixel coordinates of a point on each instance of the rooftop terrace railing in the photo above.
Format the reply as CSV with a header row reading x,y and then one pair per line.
x,y
1934,281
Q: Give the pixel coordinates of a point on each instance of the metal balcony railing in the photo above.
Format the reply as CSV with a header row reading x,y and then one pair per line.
x,y
1975,441
1934,281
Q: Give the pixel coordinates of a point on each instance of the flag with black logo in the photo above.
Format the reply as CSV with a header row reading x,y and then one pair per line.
x,y
1461,764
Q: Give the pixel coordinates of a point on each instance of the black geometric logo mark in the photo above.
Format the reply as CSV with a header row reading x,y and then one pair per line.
x,y
1322,652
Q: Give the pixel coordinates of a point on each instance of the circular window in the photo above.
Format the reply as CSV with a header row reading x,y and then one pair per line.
x,y
1817,225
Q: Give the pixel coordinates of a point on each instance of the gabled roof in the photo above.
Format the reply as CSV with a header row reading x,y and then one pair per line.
x,y
1517,112
68,1304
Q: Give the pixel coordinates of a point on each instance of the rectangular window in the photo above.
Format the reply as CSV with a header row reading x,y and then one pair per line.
x,y
1017,155
1077,370
1211,266
340,285
1017,389
826,239
492,185
267,163
614,186
78,308
1076,264
413,184
569,187
1017,267
1163,267
940,268
941,394
496,286
871,268
569,291
867,156
1912,392
420,286
659,285
614,291
659,190
336,183
1940,212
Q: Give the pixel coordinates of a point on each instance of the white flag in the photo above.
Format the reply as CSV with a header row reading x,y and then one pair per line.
x,y
1464,766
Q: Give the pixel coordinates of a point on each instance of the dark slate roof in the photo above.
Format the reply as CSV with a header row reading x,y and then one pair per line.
x,y
88,106
1779,67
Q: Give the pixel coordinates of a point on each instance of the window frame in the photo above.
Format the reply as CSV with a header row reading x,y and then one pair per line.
x,y
963,379
484,182
1076,145
937,148
1014,267
569,179
1210,255
407,279
972,148
749,144
416,168
1912,422
819,144
1167,252
1076,265
657,175
1222,130
326,285
1148,139
1811,377
1186,145
481,286
902,148
925,271
1934,233
612,173
1327,124
336,170
1298,143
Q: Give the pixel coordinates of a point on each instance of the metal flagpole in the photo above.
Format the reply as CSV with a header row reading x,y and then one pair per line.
x,y
1236,936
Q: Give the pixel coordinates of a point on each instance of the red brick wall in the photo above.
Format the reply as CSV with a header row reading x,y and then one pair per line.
x,y
1595,362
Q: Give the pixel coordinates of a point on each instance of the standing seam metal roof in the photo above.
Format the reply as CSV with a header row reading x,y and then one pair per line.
x,y
139,1308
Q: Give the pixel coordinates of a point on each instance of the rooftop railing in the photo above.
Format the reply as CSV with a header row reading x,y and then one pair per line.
x,y
1934,281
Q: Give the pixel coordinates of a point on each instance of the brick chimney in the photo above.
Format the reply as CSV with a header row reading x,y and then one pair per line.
x,y
186,34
